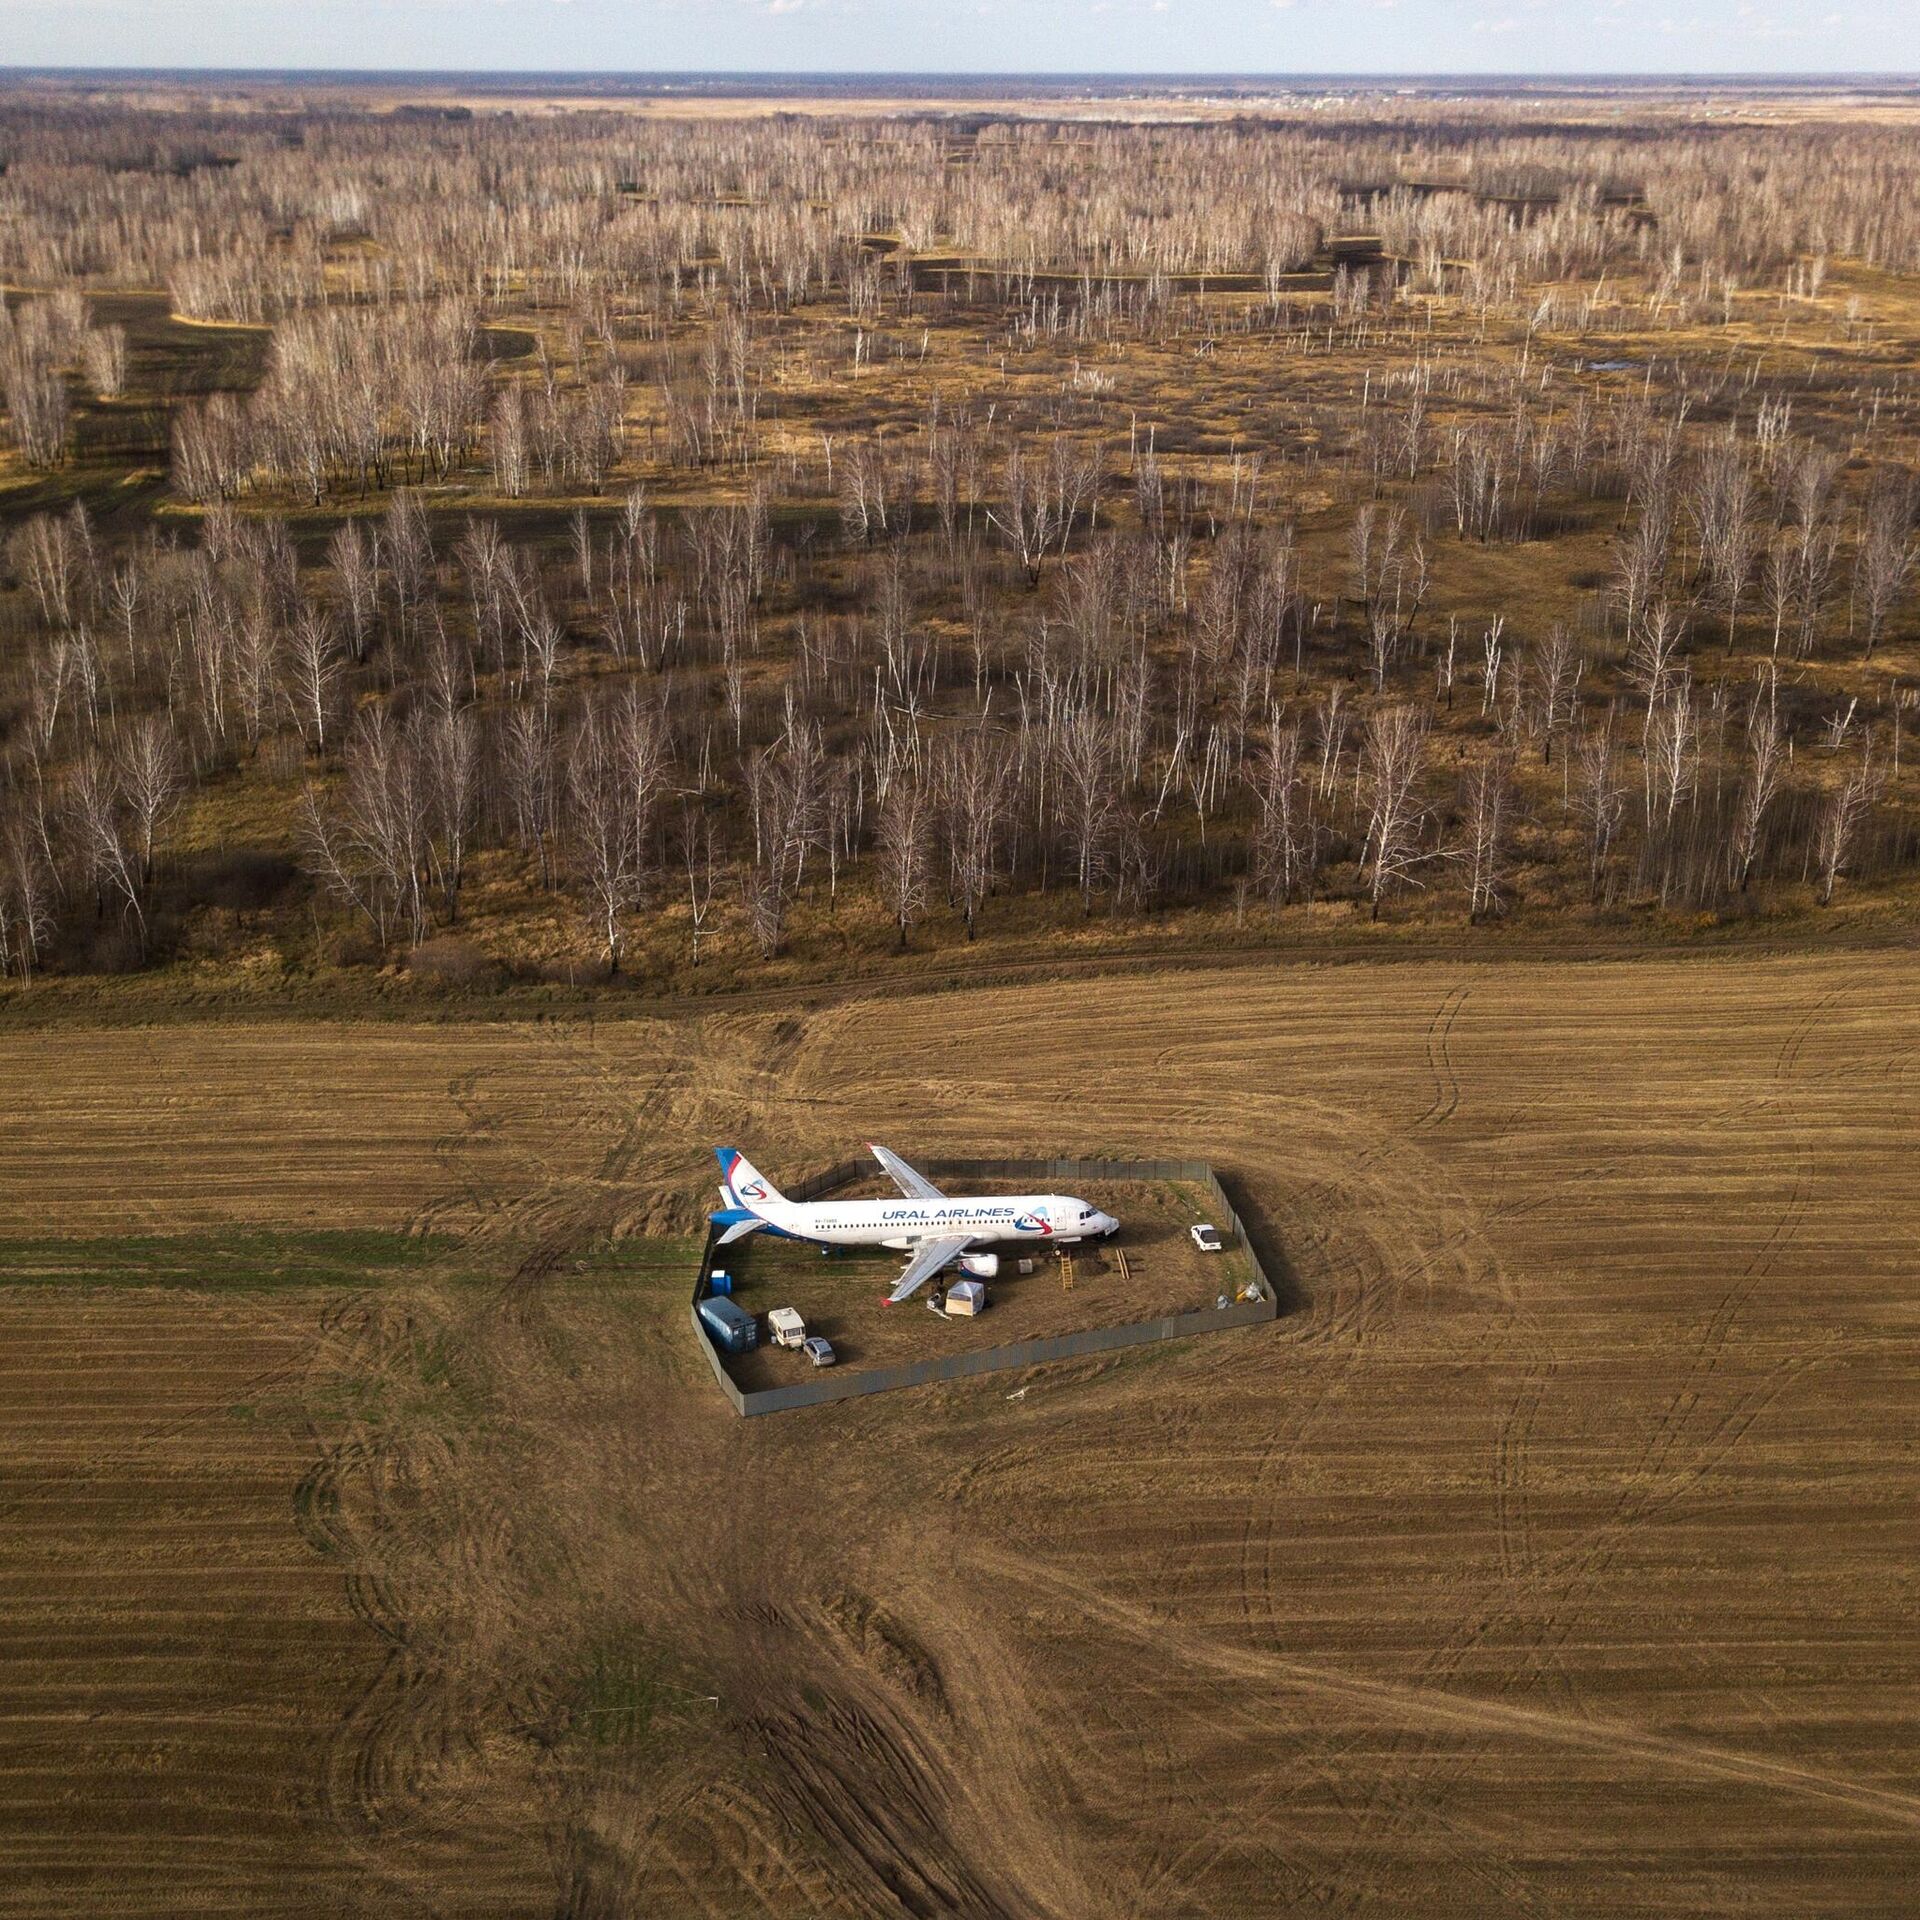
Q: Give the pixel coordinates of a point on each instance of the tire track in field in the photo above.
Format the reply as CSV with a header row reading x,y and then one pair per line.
x,y
1535,1591
1407,1782
1208,1834
1349,1227
1567,1577
1652,1479
419,1546
1403,1786
579,1171
1670,1432
1439,1041
1439,1710
1354,1282
399,1758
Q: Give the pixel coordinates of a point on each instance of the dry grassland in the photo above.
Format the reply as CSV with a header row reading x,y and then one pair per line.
x,y
1553,1554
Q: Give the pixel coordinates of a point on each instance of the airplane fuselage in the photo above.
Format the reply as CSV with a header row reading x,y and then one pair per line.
x,y
1048,1218
937,1229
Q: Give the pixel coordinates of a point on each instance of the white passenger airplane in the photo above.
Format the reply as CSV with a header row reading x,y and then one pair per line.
x,y
935,1228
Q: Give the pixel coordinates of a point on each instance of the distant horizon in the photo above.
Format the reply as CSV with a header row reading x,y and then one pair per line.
x,y
958,76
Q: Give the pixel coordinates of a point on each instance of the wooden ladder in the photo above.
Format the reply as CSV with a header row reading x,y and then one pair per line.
x,y
1066,1271
1126,1272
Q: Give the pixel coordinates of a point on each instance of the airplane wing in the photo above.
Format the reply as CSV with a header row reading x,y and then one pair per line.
x,y
916,1186
929,1257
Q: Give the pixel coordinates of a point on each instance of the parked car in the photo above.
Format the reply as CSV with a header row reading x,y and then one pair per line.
x,y
819,1349
1207,1239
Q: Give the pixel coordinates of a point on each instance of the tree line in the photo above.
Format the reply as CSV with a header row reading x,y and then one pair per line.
x,y
666,708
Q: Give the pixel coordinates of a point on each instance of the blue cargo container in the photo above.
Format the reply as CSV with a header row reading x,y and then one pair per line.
x,y
732,1330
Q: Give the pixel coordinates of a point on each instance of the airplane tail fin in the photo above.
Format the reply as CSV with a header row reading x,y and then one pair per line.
x,y
742,1182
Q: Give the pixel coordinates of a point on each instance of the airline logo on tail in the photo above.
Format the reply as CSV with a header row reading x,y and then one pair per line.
x,y
741,1181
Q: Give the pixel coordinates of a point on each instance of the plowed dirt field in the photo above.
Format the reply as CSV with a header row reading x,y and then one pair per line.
x,y
1552,1554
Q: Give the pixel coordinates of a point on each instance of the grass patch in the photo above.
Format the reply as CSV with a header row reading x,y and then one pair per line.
x,y
646,1257
622,1688
244,1260
616,1694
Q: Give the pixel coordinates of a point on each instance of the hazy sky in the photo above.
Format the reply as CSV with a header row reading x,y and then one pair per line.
x,y
1264,36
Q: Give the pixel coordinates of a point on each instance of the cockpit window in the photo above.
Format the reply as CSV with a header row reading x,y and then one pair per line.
x,y
1086,1213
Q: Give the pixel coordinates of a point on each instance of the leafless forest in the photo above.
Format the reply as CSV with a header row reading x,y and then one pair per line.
x,y
541,543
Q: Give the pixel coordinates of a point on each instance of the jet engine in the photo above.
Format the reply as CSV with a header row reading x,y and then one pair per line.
x,y
983,1266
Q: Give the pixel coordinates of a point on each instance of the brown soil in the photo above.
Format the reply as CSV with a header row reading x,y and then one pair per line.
x,y
175,1654
1553,1555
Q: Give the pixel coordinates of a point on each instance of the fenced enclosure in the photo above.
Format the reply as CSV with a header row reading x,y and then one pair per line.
x,y
1263,1303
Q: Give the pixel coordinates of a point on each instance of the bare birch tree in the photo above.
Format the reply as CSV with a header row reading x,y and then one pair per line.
x,y
1392,759
1600,800
600,834
1885,562
108,859
1286,835
1489,789
906,819
153,782
1842,814
1764,771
